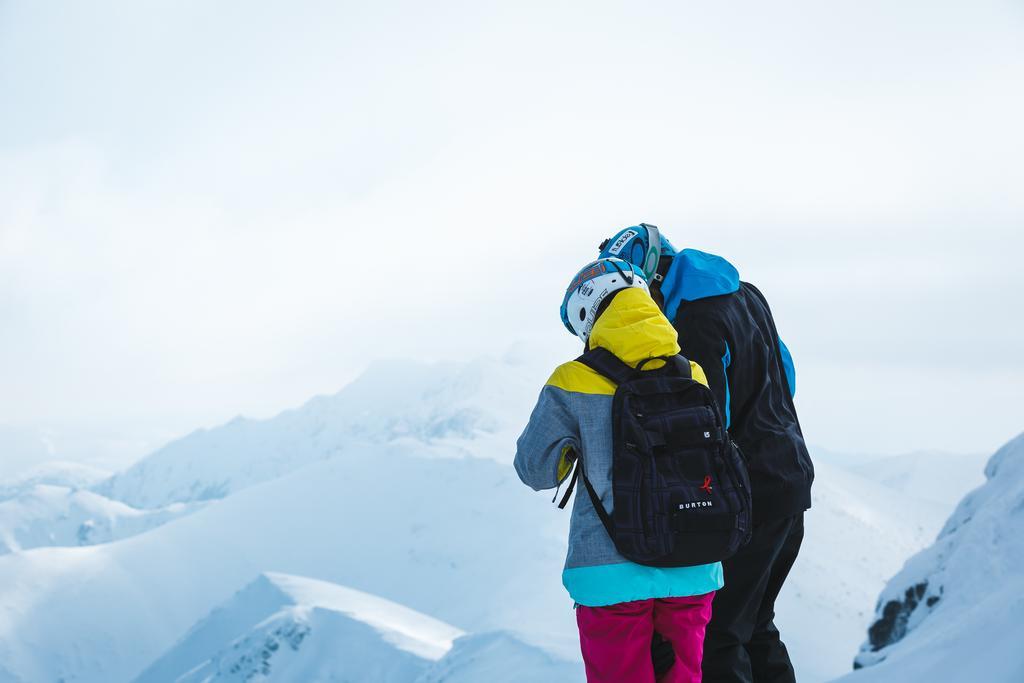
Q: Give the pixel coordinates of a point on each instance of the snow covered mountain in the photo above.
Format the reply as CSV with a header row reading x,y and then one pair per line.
x,y
399,487
459,539
51,505
287,628
443,409
956,610
47,515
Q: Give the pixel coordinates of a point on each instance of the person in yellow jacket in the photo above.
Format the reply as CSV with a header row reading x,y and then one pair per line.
x,y
620,604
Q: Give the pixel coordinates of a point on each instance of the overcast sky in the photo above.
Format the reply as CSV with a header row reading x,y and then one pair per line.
x,y
209,209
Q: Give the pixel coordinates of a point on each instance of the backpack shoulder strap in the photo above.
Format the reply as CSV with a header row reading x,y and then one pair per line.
x,y
606,519
682,364
578,473
604,362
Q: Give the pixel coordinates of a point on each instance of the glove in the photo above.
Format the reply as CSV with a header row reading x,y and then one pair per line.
x,y
662,654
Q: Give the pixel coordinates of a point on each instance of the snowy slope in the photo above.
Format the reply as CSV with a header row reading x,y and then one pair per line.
x,y
60,516
956,610
460,540
856,535
288,628
500,657
452,409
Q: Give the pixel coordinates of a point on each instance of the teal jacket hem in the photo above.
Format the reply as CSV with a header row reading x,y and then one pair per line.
x,y
610,584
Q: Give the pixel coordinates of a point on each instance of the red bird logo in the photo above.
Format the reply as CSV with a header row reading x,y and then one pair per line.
x,y
706,486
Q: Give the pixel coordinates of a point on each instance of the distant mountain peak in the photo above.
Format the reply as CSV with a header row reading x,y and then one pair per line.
x,y
470,408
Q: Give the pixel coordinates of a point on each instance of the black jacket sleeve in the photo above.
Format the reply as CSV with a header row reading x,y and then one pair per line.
x,y
703,340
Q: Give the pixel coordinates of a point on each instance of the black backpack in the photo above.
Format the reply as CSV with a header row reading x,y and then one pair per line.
x,y
681,493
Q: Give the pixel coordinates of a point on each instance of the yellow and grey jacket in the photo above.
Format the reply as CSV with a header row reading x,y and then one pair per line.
x,y
574,416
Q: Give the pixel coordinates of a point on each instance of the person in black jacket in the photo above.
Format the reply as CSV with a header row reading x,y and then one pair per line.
x,y
726,326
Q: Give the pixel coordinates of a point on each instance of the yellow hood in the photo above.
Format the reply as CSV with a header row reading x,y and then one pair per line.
x,y
634,328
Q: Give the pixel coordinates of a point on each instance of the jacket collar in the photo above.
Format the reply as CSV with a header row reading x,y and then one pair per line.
x,y
634,328
697,275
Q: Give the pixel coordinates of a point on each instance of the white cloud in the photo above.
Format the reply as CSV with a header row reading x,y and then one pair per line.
x,y
206,211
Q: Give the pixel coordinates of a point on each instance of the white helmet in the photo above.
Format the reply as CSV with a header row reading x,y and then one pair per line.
x,y
591,287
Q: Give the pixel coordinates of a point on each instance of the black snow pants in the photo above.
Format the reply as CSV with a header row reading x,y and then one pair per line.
x,y
742,643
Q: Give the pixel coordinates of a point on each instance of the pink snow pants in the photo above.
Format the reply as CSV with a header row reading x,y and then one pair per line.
x,y
616,640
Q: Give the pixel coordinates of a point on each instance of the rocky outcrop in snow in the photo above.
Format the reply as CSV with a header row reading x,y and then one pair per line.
x,y
955,610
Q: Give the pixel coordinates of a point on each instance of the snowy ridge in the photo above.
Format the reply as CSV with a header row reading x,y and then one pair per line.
x,y
454,410
269,628
45,515
283,628
404,628
954,611
424,536
500,657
